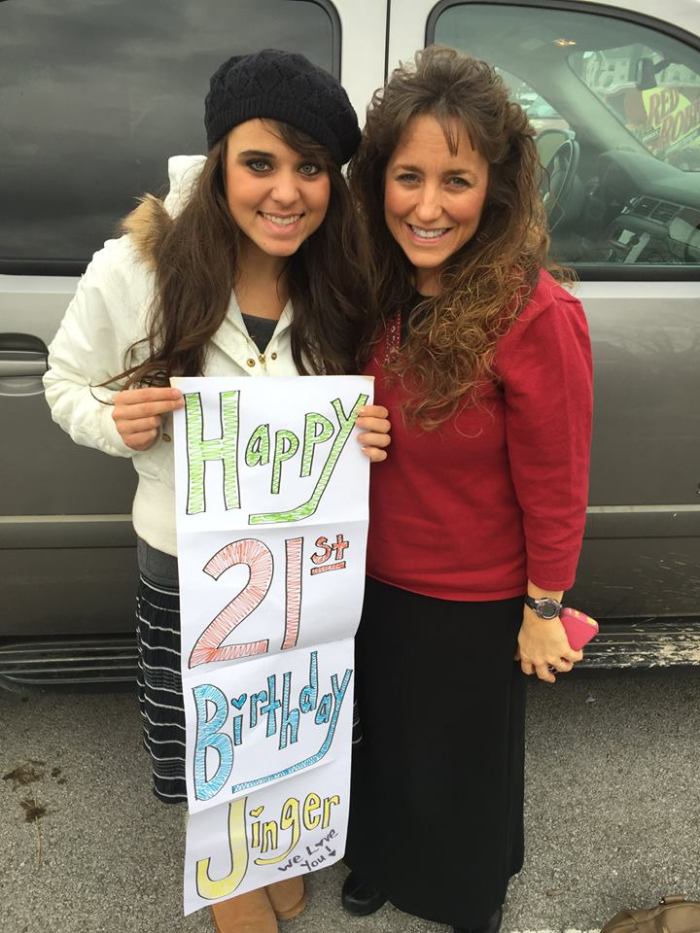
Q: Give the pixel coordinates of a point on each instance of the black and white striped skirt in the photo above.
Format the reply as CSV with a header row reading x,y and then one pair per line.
x,y
160,683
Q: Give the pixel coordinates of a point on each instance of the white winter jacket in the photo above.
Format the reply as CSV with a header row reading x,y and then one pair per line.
x,y
106,316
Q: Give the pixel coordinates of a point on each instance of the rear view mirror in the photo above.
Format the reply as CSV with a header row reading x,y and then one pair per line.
x,y
645,77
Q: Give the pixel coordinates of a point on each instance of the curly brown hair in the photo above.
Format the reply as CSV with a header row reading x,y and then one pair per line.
x,y
196,265
450,348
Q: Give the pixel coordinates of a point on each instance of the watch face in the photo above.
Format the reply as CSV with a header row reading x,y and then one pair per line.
x,y
548,608
545,607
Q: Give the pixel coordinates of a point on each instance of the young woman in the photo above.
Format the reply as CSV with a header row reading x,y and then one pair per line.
x,y
251,266
477,517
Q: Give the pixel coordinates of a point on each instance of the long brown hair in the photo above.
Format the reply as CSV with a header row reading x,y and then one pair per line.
x,y
450,347
196,258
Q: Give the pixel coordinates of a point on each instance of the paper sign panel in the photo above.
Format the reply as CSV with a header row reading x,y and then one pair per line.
x,y
267,592
261,722
252,453
290,829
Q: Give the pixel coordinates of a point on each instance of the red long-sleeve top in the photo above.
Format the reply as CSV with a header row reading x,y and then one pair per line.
x,y
497,494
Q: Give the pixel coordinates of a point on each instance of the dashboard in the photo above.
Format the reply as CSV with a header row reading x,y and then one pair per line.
x,y
654,230
646,211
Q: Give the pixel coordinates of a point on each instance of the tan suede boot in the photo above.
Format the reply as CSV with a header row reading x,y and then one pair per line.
x,y
247,913
288,897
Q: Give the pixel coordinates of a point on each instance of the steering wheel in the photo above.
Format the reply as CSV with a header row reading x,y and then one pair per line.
x,y
559,174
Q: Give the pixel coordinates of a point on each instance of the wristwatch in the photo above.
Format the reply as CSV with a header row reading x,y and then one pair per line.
x,y
545,608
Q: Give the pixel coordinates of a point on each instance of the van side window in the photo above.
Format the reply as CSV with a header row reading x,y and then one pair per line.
x,y
616,108
96,96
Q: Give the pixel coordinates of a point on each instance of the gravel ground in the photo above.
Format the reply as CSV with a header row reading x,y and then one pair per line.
x,y
613,814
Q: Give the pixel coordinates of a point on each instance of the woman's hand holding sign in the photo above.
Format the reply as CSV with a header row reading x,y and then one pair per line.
x,y
375,426
138,414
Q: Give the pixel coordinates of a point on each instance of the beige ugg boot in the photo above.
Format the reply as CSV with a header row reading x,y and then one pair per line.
x,y
288,897
247,913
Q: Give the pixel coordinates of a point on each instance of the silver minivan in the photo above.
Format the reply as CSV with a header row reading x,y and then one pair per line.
x,y
94,97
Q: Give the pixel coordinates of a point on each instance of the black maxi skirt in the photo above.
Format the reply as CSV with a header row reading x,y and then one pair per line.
x,y
436,814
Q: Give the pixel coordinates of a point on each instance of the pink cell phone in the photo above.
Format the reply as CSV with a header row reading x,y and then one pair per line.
x,y
579,627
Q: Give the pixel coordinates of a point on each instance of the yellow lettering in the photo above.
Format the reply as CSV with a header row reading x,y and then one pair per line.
x,y
238,850
311,804
270,838
329,802
289,820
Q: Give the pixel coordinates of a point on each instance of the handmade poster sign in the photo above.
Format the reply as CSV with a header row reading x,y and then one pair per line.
x,y
272,511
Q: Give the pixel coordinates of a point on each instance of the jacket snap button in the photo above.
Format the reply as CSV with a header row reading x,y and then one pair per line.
x,y
273,356
262,357
250,362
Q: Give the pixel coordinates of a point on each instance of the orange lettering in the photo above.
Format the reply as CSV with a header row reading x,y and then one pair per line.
x,y
654,115
665,132
676,131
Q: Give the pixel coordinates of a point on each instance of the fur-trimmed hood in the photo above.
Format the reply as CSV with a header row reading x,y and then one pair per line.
x,y
145,223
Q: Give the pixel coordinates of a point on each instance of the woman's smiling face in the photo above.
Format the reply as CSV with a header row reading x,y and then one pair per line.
x,y
277,197
433,198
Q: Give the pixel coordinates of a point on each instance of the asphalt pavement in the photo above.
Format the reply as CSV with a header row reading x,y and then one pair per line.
x,y
613,814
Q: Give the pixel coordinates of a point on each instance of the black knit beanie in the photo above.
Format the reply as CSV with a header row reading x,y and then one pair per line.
x,y
281,86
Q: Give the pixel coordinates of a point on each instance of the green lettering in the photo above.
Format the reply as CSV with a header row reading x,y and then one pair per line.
x,y
313,436
286,445
346,424
201,451
257,453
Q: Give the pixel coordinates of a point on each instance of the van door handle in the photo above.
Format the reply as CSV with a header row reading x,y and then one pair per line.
x,y
22,355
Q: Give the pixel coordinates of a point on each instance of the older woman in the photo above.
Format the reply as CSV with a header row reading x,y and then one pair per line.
x,y
477,518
